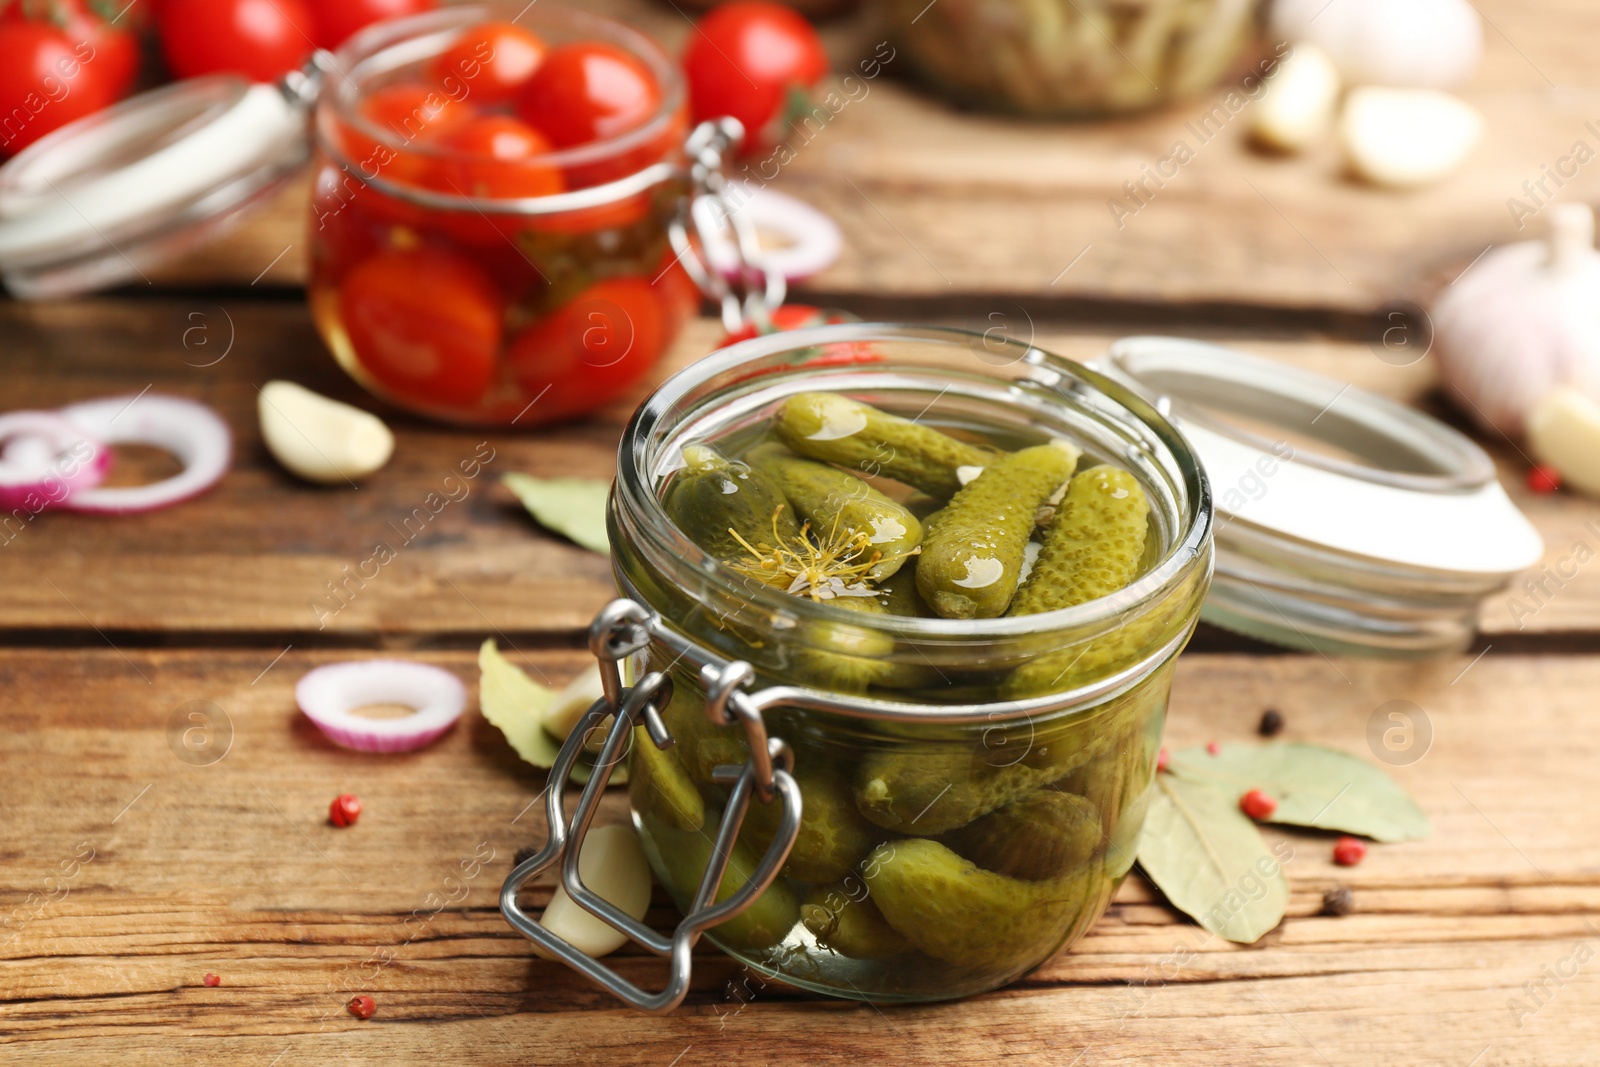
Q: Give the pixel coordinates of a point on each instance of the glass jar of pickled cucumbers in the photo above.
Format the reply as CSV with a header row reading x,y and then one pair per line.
x,y
902,611
1071,58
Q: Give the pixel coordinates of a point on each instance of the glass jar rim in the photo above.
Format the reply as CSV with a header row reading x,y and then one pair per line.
x,y
1189,546
395,42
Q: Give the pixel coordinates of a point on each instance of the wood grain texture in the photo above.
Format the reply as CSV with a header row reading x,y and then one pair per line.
x,y
231,868
256,555
936,201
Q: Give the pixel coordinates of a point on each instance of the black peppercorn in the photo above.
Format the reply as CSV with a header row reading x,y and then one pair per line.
x,y
1338,901
523,853
1271,723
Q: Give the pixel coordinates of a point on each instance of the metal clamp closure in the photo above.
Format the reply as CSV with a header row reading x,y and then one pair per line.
x,y
622,629
712,205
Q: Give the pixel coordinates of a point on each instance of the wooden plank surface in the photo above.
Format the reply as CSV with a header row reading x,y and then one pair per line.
x,y
230,868
935,201
255,555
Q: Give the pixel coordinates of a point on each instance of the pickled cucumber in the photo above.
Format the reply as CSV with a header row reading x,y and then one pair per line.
x,y
845,658
1092,547
713,498
957,912
972,551
1043,835
1057,672
833,836
662,786
899,596
840,505
929,793
836,429
766,922
850,924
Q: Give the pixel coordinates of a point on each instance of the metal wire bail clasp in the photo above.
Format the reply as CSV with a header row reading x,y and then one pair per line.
x,y
713,206
622,629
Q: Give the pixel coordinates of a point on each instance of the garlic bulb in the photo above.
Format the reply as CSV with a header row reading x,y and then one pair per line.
x,y
1522,321
1435,43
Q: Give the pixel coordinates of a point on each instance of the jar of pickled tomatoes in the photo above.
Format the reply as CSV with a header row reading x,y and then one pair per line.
x,y
493,193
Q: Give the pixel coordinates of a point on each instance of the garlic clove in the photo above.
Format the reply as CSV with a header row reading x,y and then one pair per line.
x,y
319,439
1298,105
1405,138
612,866
1564,432
562,716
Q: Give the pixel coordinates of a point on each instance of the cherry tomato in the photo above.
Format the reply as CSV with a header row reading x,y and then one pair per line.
x,y
501,160
745,60
493,60
337,20
425,323
260,39
46,81
803,317
588,91
590,350
116,48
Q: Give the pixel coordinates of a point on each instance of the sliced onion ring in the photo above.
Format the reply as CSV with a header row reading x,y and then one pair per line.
x,y
328,695
45,458
187,428
814,241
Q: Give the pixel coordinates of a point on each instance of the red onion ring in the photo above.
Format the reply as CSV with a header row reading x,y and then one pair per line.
x,y
45,458
814,239
328,695
187,428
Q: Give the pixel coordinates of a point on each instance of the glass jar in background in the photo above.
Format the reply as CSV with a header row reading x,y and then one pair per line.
x,y
1070,58
971,790
474,288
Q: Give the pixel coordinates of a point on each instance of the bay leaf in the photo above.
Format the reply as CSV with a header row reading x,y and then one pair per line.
x,y
572,507
1314,786
515,704
1210,860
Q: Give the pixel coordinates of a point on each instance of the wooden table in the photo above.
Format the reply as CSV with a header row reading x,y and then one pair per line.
x,y
129,873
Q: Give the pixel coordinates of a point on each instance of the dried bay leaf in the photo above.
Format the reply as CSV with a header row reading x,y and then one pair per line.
x,y
1314,786
1210,860
572,507
515,704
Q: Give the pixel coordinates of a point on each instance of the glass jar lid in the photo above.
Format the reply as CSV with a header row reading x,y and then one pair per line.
x,y
102,199
1346,523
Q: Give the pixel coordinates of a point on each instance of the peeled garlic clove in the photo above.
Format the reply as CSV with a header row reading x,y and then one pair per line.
x,y
1564,432
564,712
1298,104
1406,138
613,867
319,439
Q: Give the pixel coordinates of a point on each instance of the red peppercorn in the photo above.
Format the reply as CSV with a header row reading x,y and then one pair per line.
x,y
1544,480
213,979
1213,748
1348,851
1163,760
361,1007
345,810
1257,805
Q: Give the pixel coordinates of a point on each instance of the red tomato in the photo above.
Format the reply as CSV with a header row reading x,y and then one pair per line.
x,y
261,39
116,49
46,81
745,60
503,161
591,350
425,323
493,60
588,91
337,20
414,110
